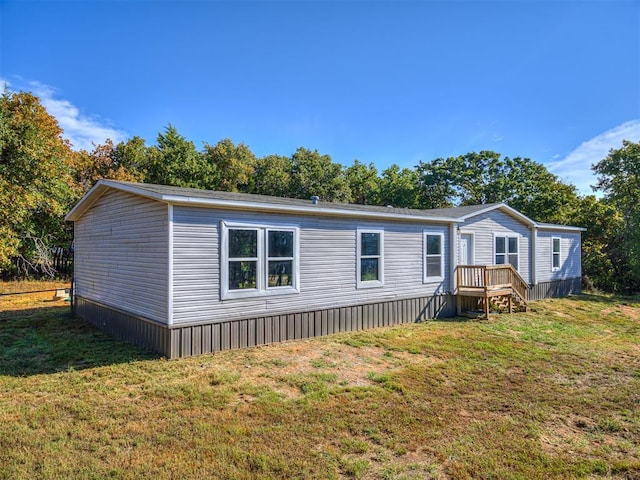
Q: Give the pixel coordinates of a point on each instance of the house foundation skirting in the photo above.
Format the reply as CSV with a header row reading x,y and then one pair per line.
x,y
556,288
122,325
185,341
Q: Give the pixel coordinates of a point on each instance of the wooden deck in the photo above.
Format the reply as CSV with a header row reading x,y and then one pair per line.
x,y
500,284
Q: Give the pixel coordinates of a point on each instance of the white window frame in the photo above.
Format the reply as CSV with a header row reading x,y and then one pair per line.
x,y
369,283
425,255
506,237
262,265
554,253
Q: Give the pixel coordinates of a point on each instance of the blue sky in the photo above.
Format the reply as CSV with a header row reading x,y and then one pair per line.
x,y
378,81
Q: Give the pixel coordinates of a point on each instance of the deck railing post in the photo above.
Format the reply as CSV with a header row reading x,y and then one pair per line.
x,y
486,279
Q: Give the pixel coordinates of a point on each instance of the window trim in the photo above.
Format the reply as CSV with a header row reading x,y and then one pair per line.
x,y
553,253
369,283
506,236
267,258
262,266
432,279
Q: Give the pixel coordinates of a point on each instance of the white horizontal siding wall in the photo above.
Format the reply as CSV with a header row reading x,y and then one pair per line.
x,y
570,256
327,265
121,252
484,227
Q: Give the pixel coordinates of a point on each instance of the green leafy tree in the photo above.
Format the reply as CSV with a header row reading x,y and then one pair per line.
x,y
315,174
436,183
486,177
36,187
619,180
272,176
601,263
175,161
399,188
132,156
363,182
104,161
232,166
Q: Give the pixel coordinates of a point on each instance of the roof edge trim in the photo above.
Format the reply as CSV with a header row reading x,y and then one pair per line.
x,y
103,185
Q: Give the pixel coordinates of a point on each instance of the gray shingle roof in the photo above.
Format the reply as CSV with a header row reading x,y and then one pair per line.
x,y
247,201
169,191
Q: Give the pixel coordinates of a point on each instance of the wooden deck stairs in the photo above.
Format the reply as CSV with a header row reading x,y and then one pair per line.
x,y
490,288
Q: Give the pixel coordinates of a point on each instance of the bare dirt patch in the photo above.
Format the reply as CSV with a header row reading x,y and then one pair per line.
x,y
631,312
281,367
627,310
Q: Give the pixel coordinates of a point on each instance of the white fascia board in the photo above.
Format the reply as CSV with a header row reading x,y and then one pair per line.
x,y
524,219
501,206
299,209
132,189
98,190
85,202
565,228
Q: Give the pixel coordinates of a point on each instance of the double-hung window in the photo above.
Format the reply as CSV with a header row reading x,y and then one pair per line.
x,y
242,253
506,250
555,254
433,265
370,258
280,258
258,260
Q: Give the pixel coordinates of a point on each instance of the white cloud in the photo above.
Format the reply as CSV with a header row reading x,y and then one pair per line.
x,y
576,166
81,130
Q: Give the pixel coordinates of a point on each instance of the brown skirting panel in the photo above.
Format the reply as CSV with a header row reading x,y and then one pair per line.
x,y
185,341
123,325
557,288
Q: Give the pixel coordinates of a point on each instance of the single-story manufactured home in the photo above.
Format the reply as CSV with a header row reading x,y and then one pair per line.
x,y
186,271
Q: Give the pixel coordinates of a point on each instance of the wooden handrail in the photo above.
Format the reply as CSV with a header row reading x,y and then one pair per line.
x,y
488,277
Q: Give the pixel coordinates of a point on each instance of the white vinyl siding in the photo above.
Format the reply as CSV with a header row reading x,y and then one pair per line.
x,y
327,265
485,226
370,258
433,260
569,257
121,255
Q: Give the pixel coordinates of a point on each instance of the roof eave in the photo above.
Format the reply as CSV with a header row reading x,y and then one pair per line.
x,y
299,209
549,226
103,185
98,190
501,206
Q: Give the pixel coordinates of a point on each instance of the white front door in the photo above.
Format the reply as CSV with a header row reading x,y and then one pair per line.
x,y
466,249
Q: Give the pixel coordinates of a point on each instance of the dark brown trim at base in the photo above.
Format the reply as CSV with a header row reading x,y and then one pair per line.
x,y
185,341
124,326
557,288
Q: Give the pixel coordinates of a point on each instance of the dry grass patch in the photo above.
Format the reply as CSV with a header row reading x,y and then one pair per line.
x,y
553,393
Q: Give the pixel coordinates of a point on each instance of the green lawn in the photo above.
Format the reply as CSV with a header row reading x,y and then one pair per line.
x,y
552,393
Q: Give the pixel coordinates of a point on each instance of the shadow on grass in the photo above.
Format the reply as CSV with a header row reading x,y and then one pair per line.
x,y
457,319
605,298
587,297
51,339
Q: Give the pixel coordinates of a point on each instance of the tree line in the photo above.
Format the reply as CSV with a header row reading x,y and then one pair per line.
x,y
41,177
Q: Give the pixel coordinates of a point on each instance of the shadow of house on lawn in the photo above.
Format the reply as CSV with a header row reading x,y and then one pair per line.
x,y
50,340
